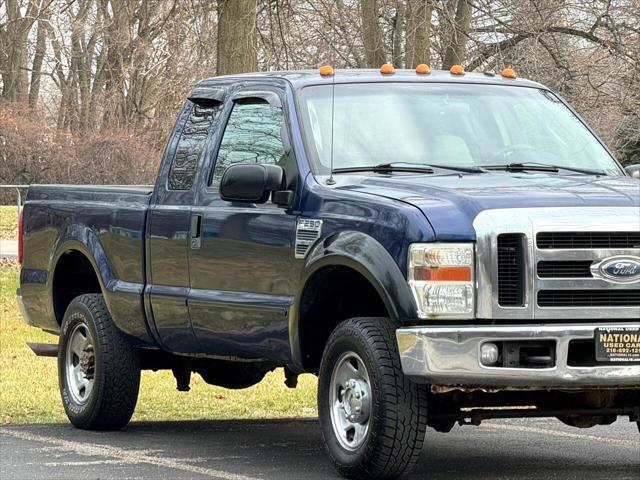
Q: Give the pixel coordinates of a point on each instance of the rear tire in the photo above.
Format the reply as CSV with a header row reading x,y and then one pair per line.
x,y
98,370
373,419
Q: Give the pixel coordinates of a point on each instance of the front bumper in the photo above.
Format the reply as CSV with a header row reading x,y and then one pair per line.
x,y
450,356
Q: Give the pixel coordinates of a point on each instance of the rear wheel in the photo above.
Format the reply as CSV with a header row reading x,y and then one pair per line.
x,y
98,370
373,419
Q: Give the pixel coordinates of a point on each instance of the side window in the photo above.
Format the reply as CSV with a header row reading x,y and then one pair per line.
x,y
252,135
192,140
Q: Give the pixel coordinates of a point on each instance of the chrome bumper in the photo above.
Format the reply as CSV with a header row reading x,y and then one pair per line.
x,y
23,310
450,356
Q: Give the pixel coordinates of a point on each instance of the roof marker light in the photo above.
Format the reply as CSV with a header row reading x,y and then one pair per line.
x,y
387,69
509,73
423,69
457,70
326,70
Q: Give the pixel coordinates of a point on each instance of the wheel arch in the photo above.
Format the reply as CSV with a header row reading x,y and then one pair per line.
x,y
371,270
75,272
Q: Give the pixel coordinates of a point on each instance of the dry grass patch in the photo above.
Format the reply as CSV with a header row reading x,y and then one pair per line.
x,y
8,222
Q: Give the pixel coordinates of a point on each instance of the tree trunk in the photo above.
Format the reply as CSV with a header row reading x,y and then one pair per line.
x,y
371,34
237,36
15,34
456,52
398,30
418,46
38,59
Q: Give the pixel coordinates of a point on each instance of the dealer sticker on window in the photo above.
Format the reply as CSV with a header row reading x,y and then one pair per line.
x,y
618,344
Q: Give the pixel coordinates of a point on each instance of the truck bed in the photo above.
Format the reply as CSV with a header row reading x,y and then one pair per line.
x,y
107,223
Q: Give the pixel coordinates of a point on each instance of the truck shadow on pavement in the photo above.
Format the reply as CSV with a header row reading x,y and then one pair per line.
x,y
293,449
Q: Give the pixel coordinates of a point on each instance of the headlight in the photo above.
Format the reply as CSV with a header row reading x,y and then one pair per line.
x,y
441,277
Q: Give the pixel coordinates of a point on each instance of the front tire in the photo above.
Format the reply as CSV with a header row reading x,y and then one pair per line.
x,y
373,419
98,370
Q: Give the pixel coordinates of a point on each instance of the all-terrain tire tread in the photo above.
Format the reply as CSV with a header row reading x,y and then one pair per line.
x,y
117,392
404,420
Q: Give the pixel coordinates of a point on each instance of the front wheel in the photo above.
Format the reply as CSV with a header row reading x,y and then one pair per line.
x,y
98,370
373,419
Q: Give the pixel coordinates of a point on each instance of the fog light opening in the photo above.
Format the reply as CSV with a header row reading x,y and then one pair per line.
x,y
489,354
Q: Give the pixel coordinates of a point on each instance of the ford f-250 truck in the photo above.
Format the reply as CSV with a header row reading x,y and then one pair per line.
x,y
437,247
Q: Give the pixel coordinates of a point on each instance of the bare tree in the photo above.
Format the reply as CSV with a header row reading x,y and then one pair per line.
x,y
372,34
456,51
237,36
121,68
14,34
418,46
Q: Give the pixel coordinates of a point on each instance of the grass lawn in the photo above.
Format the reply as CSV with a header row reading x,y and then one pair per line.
x,y
29,384
8,222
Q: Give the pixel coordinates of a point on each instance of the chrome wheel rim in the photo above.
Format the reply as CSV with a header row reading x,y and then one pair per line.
x,y
80,364
350,401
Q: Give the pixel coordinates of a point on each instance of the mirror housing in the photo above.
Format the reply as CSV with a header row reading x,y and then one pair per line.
x,y
250,182
633,170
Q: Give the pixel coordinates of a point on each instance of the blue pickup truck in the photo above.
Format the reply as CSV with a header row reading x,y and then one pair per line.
x,y
438,247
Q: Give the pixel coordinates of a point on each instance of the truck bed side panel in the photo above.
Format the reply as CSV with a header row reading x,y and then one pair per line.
x,y
107,225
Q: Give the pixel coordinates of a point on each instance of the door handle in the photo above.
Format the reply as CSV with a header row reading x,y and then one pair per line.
x,y
196,230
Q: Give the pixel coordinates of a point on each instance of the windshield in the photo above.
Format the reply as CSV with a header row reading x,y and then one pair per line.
x,y
463,125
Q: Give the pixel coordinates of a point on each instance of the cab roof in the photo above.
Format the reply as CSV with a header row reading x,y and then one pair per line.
x,y
302,78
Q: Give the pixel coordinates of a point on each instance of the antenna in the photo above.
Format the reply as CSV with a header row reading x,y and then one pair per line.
x,y
331,180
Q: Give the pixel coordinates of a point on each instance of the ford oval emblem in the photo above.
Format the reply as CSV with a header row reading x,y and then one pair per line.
x,y
620,269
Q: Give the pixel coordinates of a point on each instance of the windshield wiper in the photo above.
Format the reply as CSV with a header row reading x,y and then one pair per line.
x,y
384,168
405,167
541,167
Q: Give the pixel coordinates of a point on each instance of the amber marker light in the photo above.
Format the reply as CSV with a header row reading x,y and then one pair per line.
x,y
509,73
387,69
457,70
443,274
326,70
423,69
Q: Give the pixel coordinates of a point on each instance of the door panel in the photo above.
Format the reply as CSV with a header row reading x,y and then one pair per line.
x,y
169,227
242,281
169,276
242,275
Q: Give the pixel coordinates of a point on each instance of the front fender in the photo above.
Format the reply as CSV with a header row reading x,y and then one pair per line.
x,y
368,257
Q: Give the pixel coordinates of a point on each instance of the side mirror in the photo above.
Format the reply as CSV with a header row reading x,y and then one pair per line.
x,y
633,171
250,183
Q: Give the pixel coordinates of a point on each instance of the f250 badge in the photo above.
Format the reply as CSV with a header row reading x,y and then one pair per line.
x,y
619,269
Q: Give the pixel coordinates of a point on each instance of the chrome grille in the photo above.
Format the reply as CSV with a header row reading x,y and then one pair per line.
x,y
565,240
589,298
565,269
562,249
510,270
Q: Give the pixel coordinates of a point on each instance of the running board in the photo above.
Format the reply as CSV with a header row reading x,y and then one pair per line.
x,y
44,349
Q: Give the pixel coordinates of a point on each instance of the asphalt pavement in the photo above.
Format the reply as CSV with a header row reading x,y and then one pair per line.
x,y
8,248
292,449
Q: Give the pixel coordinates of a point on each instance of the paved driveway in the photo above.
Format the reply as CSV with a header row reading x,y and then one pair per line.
x,y
292,449
8,248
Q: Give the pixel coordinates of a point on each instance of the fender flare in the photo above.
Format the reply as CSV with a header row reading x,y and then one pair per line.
x,y
368,257
85,241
